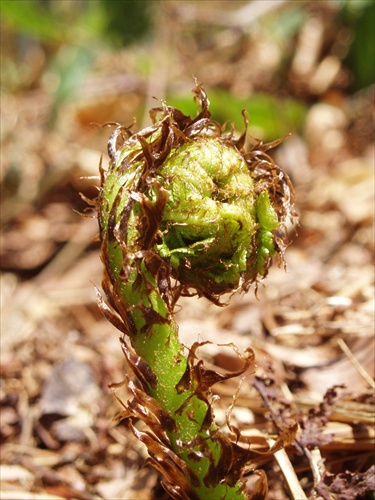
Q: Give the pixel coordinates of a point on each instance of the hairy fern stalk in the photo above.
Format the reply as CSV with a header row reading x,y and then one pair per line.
x,y
185,208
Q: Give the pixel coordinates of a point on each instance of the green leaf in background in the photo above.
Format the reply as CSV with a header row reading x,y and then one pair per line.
x,y
29,17
270,117
127,21
284,24
70,66
359,15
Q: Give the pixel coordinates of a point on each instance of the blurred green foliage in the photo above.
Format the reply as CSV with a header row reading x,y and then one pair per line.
x,y
30,17
73,32
285,24
127,21
113,22
359,16
269,117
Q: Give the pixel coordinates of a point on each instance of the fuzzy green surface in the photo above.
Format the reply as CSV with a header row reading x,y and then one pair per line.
x,y
209,220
